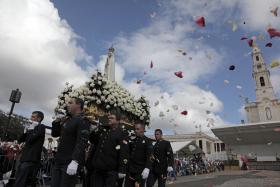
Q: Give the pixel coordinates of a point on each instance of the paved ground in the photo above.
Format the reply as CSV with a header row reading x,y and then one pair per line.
x,y
231,179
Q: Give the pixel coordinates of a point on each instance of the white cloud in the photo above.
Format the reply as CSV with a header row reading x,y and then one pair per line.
x,y
38,54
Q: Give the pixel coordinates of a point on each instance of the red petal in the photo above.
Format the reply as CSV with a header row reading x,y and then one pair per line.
x,y
151,65
244,38
268,44
200,22
250,42
184,112
277,129
273,32
179,74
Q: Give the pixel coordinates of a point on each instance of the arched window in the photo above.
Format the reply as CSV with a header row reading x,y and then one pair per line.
x,y
257,58
268,113
262,81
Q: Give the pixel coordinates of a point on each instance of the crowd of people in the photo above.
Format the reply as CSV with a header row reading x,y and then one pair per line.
x,y
96,155
114,156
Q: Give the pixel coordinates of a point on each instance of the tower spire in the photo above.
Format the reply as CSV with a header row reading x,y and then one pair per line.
x,y
261,75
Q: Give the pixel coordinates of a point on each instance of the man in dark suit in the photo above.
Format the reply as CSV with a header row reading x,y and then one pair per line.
x,y
162,161
73,131
33,137
110,156
140,162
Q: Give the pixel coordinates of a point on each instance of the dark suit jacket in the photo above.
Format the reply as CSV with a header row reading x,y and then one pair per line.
x,y
34,140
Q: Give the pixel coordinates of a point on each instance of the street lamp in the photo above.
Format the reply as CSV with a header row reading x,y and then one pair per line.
x,y
14,98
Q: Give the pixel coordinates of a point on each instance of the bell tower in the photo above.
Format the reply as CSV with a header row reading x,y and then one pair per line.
x,y
261,75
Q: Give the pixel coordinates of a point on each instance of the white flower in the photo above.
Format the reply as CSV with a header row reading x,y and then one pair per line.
x,y
141,117
98,92
98,101
99,82
107,106
94,90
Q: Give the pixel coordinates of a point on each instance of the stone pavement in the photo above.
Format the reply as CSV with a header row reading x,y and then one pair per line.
x,y
231,178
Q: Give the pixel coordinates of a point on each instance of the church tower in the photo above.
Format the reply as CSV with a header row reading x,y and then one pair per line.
x,y
261,74
267,106
109,72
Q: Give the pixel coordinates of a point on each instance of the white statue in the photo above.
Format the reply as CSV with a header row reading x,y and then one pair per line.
x,y
109,72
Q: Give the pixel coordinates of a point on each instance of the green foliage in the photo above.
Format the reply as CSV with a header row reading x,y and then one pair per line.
x,y
11,130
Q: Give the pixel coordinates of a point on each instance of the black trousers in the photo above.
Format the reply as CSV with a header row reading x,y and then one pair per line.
x,y
60,178
153,177
26,173
104,179
133,178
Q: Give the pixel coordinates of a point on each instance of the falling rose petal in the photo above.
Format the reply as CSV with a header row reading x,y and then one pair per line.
x,y
138,81
179,74
175,107
274,64
156,103
184,113
234,27
184,53
151,64
153,14
244,38
274,11
268,44
200,22
254,38
273,32
261,37
239,87
277,129
231,68
250,42
226,81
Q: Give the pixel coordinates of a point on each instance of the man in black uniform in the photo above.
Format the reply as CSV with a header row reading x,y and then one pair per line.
x,y
33,137
140,162
74,133
163,161
110,157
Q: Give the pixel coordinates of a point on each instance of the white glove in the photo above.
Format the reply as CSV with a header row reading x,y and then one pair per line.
x,y
169,169
72,168
121,175
145,173
33,125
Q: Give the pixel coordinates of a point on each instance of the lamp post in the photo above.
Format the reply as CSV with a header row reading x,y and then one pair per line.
x,y
14,98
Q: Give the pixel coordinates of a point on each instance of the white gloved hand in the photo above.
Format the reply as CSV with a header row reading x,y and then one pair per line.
x,y
121,175
72,168
145,173
169,169
32,125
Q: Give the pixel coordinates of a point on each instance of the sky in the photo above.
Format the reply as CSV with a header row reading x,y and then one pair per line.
x,y
47,43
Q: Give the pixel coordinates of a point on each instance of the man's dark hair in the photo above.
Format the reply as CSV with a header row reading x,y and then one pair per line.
x,y
139,122
39,114
158,130
80,102
117,113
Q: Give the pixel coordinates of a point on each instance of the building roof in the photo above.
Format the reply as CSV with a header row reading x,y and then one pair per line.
x,y
253,133
177,146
